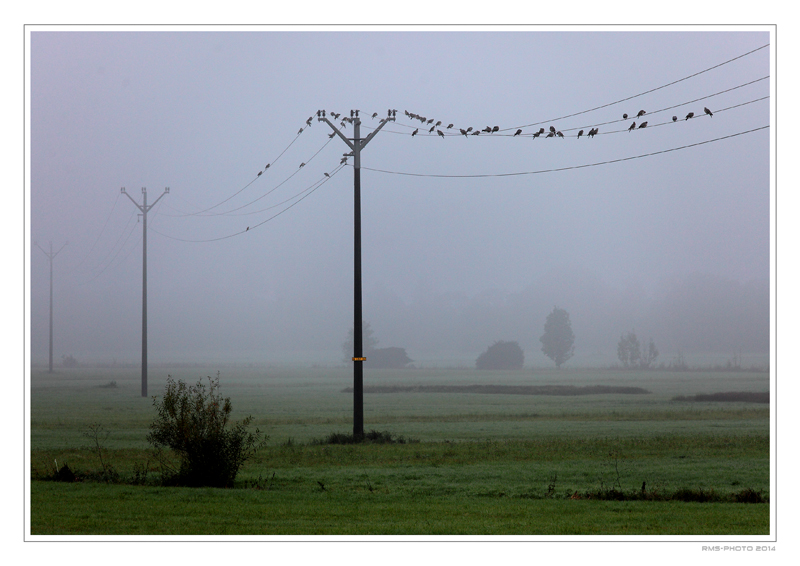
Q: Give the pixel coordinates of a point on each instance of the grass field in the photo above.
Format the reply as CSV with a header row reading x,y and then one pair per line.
x,y
479,463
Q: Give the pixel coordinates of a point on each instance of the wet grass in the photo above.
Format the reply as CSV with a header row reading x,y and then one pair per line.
x,y
479,463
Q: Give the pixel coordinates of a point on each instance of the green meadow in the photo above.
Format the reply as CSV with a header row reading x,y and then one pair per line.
x,y
471,464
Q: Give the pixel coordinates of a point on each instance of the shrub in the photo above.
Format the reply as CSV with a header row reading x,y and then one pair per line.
x,y
501,355
388,358
192,423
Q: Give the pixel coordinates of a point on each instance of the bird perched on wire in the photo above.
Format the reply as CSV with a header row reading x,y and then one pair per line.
x,y
440,133
300,132
449,126
559,134
302,165
430,121
374,115
438,123
580,134
487,129
496,129
552,130
541,131
642,125
593,132
259,173
709,112
463,131
624,116
690,115
641,113
431,130
414,133
536,135
327,175
246,229
518,132
308,122
632,126
551,135
343,161
332,134
469,129
674,118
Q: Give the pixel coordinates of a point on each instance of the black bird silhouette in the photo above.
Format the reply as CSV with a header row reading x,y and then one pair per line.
x,y
536,135
487,129
642,125
580,134
463,131
551,135
343,161
518,132
476,132
674,118
414,133
440,132
327,175
431,130
641,113
335,116
690,115
709,112
259,173
624,116
559,134
552,130
541,131
430,121
438,123
308,122
496,129
469,129
247,228
300,132
332,134
449,126
632,126
302,165
375,114
593,132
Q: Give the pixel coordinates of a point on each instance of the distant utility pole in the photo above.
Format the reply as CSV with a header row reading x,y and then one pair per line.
x,y
52,256
144,208
356,144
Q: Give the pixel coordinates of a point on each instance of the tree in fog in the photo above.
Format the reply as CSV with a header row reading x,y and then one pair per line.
x,y
501,355
368,342
558,340
630,353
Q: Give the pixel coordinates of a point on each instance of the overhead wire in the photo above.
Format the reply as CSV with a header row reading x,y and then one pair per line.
x,y
558,169
308,191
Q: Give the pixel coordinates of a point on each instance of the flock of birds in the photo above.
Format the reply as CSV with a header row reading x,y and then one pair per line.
x,y
551,134
435,126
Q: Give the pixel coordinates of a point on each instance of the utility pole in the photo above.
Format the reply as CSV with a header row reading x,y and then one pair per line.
x,y
144,208
52,256
356,144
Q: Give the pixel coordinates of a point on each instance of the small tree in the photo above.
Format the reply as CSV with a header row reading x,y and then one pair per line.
x,y
628,349
501,355
630,352
388,358
368,342
192,422
558,340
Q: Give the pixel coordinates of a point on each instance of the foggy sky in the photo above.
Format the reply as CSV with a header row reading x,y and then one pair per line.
x,y
449,263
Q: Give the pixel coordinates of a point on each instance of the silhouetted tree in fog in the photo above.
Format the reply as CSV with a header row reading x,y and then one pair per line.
x,y
558,340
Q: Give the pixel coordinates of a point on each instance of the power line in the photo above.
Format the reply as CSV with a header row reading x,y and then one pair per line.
x,y
558,169
308,192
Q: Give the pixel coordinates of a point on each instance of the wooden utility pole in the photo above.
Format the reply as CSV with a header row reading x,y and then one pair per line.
x,y
52,256
356,144
144,208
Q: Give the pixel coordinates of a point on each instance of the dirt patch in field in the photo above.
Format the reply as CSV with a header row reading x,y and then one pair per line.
x,y
507,389
730,396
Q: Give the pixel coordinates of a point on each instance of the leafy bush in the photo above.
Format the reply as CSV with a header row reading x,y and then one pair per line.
x,y
192,422
501,355
371,437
